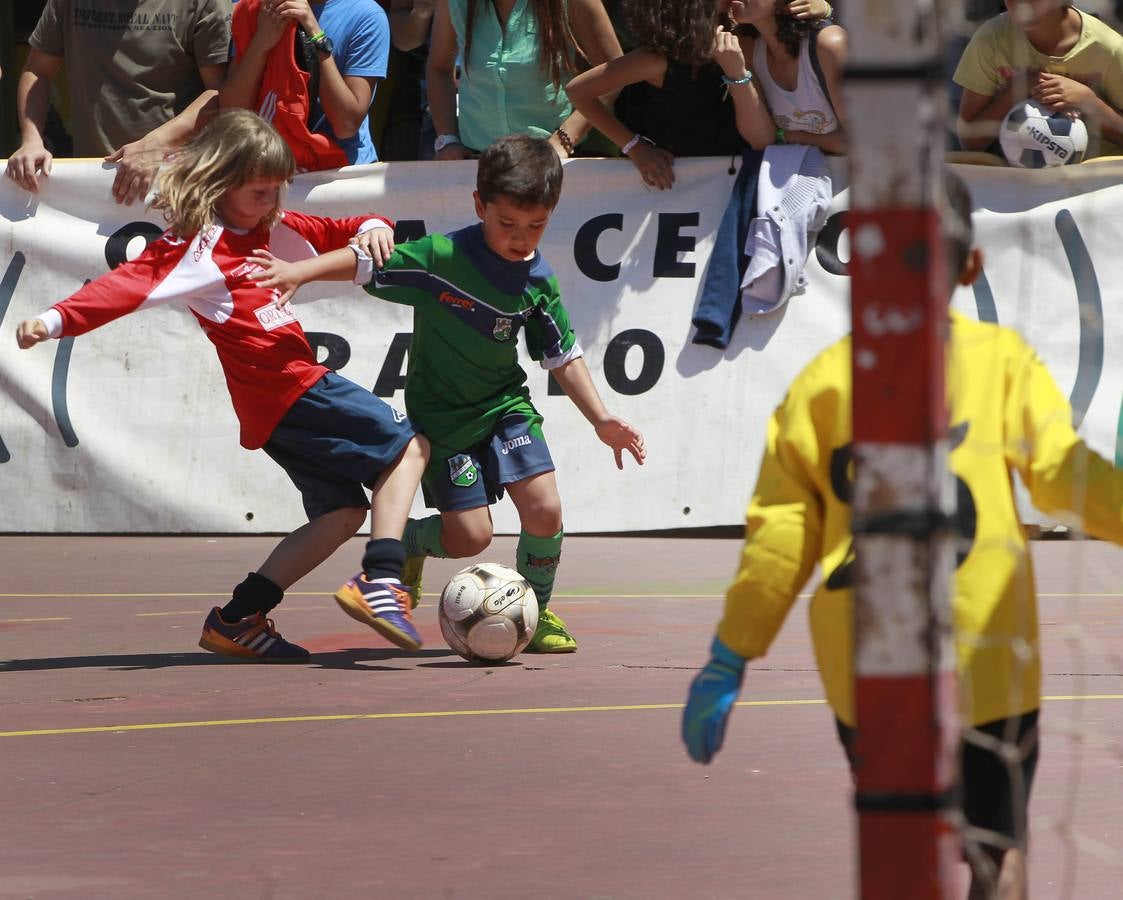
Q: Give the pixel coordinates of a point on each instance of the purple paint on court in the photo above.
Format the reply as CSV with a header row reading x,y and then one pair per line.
x,y
555,799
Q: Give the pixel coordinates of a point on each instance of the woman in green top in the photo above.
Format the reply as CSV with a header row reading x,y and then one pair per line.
x,y
516,57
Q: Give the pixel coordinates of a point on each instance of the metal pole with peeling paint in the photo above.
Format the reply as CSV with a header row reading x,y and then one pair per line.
x,y
904,498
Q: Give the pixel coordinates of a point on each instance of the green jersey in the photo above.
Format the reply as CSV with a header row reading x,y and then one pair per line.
x,y
469,305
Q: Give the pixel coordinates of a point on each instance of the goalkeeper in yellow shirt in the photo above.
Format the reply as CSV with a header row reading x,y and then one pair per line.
x,y
1006,415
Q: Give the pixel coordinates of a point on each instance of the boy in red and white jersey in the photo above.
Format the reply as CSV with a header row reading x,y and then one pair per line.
x,y
222,196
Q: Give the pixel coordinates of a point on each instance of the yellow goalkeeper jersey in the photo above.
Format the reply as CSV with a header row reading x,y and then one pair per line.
x,y
1006,414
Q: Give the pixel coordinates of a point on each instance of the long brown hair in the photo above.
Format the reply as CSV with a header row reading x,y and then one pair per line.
x,y
555,37
236,147
680,30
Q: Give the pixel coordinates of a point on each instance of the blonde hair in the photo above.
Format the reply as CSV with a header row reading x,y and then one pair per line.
x,y
236,147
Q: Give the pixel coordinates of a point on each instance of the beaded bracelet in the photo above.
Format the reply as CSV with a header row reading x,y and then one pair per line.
x,y
744,79
566,141
781,136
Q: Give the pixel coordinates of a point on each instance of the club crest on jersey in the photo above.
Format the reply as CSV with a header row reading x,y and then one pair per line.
x,y
502,328
462,471
272,318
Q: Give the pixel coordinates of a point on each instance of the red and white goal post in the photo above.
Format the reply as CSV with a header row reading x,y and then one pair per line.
x,y
903,502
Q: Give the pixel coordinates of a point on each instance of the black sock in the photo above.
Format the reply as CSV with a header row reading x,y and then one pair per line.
x,y
384,558
257,594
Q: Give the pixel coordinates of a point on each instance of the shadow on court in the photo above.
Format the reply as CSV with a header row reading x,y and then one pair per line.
x,y
340,659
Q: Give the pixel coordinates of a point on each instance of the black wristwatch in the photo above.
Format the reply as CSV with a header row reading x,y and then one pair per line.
x,y
322,44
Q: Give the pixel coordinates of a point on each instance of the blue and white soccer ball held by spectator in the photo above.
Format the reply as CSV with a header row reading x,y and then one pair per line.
x,y
1034,138
488,612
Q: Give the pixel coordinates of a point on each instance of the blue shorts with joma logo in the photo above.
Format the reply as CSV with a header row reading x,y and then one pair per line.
x,y
336,440
457,480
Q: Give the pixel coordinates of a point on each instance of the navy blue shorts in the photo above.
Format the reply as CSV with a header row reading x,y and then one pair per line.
x,y
336,440
515,450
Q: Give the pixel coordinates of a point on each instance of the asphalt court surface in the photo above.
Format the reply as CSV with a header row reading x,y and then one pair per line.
x,y
138,765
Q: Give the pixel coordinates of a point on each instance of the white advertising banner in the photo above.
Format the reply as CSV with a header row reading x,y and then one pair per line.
x,y
129,429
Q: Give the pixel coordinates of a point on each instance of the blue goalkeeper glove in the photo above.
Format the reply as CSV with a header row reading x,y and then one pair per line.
x,y
712,695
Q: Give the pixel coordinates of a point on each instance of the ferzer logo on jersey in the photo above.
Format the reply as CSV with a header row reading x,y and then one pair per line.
x,y
462,471
450,299
502,328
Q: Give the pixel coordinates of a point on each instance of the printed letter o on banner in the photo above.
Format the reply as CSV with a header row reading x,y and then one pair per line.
x,y
117,247
616,354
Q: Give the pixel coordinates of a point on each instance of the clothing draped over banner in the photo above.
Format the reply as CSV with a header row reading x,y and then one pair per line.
x,y
130,428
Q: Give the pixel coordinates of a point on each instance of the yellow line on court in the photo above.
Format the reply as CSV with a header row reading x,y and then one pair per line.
x,y
41,619
348,717
440,714
203,612
1054,596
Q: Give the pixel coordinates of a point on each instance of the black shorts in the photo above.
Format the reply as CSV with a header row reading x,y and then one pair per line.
x,y
995,795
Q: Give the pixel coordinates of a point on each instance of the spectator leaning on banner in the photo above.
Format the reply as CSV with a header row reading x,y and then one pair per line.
x,y
516,56
1052,52
796,69
409,130
142,77
686,88
345,43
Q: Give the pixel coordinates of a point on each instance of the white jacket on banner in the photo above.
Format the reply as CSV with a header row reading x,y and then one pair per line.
x,y
793,199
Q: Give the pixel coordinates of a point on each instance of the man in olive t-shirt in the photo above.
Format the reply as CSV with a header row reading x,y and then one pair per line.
x,y
133,67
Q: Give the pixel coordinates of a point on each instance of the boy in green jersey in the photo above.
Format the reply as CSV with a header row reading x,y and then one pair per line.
x,y
472,291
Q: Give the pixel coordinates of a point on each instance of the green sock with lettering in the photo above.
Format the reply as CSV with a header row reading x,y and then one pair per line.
x,y
537,561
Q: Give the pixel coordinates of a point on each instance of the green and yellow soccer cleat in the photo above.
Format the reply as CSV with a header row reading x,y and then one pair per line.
x,y
551,636
411,578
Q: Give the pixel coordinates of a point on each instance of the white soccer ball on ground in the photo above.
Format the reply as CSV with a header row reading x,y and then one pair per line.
x,y
488,612
1034,138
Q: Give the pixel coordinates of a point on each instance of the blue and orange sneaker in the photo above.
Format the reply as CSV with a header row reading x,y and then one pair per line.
x,y
253,637
384,604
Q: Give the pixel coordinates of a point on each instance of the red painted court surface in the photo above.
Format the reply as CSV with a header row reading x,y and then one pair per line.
x,y
136,765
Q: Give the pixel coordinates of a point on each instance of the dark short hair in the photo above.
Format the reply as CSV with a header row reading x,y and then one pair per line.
x,y
955,218
523,168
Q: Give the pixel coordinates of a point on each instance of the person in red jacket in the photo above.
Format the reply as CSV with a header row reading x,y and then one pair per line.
x,y
222,196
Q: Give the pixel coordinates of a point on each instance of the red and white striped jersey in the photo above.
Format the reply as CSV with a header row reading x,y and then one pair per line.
x,y
265,356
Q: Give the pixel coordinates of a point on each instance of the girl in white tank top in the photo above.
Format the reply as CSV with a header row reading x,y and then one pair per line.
x,y
807,108
793,96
